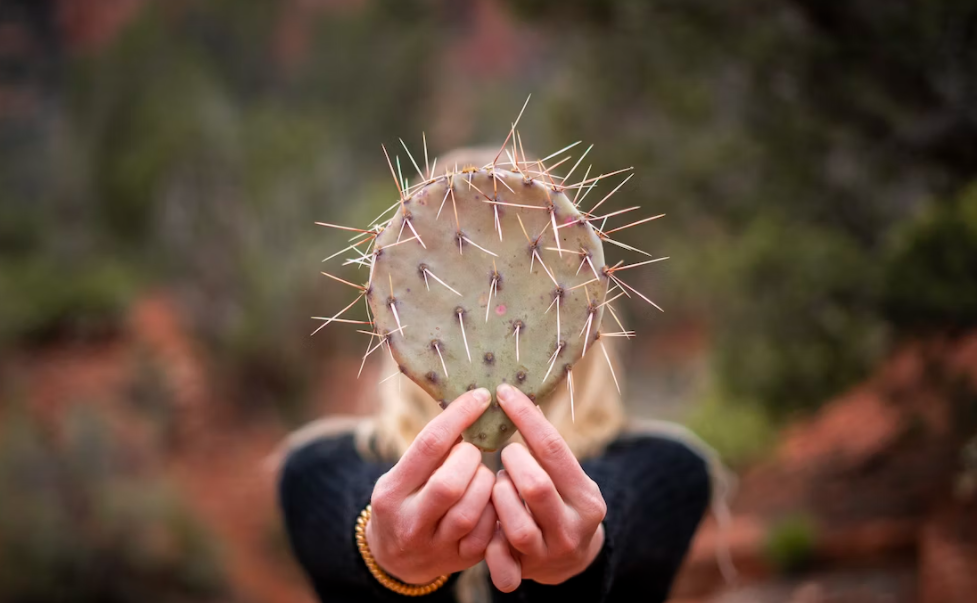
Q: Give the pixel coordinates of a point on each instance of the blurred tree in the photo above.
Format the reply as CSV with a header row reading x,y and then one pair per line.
x,y
196,149
784,140
188,155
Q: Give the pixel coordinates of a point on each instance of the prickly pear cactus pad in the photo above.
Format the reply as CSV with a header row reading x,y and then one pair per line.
x,y
480,275
472,308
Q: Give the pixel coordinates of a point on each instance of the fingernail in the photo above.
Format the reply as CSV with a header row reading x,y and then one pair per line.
x,y
505,392
482,395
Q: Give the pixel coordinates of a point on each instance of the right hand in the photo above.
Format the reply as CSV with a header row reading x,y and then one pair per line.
x,y
432,512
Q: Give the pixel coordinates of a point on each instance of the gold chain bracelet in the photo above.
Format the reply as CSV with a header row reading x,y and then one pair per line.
x,y
409,590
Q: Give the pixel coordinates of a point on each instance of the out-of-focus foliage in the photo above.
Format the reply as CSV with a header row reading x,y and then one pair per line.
x,y
785,140
931,279
80,523
741,432
790,543
41,299
805,323
185,155
215,164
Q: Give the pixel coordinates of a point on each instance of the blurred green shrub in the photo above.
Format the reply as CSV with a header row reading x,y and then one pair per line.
x,y
740,432
801,321
790,543
778,196
209,163
931,277
41,298
81,523
196,150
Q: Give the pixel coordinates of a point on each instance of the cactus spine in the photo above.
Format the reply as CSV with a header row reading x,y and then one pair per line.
x,y
489,274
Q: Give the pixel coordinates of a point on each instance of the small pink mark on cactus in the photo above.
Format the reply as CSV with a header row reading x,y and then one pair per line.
x,y
500,310
569,219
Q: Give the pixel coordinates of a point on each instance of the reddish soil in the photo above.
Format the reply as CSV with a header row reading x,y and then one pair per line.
x,y
875,469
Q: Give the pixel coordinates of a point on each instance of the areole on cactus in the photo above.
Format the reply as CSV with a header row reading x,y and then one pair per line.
x,y
489,274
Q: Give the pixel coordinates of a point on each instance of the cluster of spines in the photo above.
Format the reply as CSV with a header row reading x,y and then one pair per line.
x,y
530,171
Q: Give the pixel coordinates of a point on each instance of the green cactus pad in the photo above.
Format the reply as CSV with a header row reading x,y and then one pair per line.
x,y
451,297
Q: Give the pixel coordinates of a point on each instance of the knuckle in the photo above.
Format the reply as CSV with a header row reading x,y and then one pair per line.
x,y
463,521
593,508
565,543
536,490
522,536
527,412
430,443
478,548
445,492
407,535
552,445
473,547
382,499
600,508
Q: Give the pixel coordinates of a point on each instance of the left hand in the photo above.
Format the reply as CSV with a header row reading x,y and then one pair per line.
x,y
557,532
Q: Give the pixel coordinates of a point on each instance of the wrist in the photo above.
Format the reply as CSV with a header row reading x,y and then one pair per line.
x,y
366,540
374,544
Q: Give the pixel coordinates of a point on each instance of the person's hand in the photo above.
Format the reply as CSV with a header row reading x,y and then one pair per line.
x,y
431,512
550,511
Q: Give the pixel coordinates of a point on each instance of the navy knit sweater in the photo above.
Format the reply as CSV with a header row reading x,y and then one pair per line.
x,y
656,491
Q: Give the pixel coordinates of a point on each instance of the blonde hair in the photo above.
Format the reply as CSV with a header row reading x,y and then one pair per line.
x,y
597,417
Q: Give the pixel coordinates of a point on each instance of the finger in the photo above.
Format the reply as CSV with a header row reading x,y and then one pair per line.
x,y
472,547
429,448
520,529
545,442
503,566
536,488
462,518
447,484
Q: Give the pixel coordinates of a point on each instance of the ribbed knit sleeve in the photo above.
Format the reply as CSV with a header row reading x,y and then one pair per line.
x,y
323,487
657,491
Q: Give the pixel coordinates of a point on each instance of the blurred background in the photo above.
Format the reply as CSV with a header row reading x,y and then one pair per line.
x,y
162,164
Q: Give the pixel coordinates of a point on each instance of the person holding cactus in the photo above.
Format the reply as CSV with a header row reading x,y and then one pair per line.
x,y
600,508
480,479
